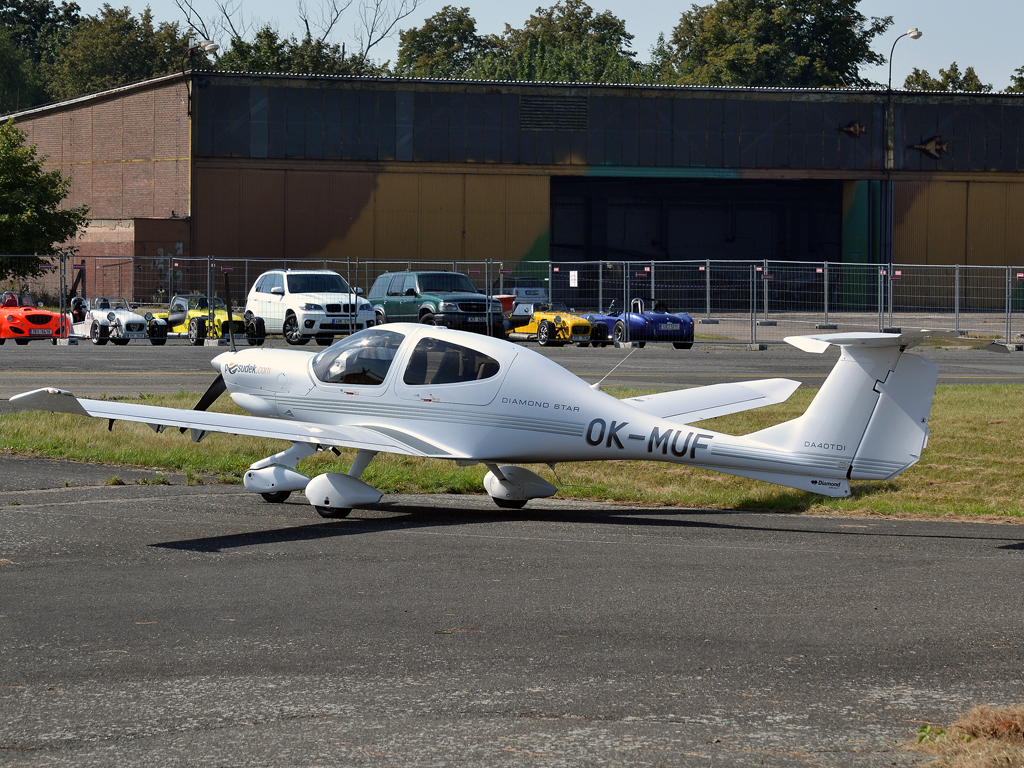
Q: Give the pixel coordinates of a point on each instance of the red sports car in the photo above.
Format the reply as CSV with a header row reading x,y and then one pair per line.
x,y
23,321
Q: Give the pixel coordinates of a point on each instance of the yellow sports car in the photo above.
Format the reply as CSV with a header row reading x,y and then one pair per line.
x,y
550,324
189,315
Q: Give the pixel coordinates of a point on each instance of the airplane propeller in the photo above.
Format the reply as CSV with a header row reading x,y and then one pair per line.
x,y
217,388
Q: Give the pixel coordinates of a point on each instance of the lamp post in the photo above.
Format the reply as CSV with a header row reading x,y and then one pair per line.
x,y
188,60
890,136
914,34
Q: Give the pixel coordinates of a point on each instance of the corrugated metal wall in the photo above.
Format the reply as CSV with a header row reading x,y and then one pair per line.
x,y
976,223
279,213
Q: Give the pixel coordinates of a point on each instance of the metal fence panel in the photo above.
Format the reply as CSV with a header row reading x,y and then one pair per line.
x,y
731,301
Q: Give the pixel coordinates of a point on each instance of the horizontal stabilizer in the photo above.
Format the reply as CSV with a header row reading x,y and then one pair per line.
x,y
364,437
819,344
689,405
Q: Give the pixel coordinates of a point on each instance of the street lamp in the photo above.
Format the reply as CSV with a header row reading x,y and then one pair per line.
x,y
890,136
203,46
914,34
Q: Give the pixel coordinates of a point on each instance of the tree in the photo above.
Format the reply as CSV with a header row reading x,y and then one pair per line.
x,y
949,80
32,221
40,28
1016,81
269,52
115,48
796,43
19,87
567,42
445,46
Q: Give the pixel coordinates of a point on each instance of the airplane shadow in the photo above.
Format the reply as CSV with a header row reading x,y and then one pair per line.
x,y
410,516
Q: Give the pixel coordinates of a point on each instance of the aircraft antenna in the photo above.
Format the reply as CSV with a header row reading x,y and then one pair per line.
x,y
597,386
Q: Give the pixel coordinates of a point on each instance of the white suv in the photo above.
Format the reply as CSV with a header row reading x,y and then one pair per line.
x,y
308,304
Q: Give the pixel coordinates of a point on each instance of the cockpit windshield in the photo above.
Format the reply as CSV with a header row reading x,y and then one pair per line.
x,y
363,358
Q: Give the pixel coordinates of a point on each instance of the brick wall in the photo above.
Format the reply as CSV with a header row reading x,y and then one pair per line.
x,y
127,154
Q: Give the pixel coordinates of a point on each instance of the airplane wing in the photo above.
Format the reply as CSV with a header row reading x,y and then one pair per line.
x,y
689,405
201,423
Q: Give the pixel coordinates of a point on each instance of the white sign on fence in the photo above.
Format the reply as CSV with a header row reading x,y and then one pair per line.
x,y
574,278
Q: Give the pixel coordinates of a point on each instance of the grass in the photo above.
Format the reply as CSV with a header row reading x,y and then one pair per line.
x,y
971,468
986,737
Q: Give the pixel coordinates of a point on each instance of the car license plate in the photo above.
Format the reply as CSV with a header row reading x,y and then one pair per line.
x,y
476,319
136,334
670,327
40,332
579,338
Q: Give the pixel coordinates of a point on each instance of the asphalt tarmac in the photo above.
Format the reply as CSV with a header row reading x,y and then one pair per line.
x,y
173,625
170,625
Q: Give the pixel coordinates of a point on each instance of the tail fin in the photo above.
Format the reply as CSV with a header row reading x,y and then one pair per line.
x,y
872,410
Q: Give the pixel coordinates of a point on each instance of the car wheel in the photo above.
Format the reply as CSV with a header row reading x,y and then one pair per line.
x,y
276,497
682,344
381,318
619,332
325,340
196,331
545,334
509,503
255,332
427,318
157,334
98,334
53,341
21,342
333,513
291,332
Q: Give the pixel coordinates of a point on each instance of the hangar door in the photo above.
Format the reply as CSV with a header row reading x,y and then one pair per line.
x,y
695,219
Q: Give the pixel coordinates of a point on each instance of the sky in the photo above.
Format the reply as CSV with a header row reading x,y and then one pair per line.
x,y
984,34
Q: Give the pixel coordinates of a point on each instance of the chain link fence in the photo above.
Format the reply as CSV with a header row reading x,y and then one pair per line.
x,y
730,301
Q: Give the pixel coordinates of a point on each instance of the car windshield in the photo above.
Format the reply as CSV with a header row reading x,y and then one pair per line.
x,y
109,302
28,300
554,306
317,282
363,358
446,282
201,302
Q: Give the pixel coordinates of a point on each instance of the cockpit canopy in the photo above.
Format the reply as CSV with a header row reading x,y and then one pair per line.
x,y
366,357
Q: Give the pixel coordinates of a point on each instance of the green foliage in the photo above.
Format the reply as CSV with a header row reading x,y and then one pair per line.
x,y
19,86
1016,81
444,47
269,52
39,28
567,42
115,48
949,80
796,43
31,219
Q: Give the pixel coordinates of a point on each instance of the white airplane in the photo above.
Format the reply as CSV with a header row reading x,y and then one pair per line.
x,y
423,390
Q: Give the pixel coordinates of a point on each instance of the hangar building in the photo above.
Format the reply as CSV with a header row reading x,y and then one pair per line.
x,y
293,167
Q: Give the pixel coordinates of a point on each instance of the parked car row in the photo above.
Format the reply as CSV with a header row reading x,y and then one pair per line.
x,y
304,305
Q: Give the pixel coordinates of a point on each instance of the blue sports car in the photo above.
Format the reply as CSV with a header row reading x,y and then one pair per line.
x,y
656,324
